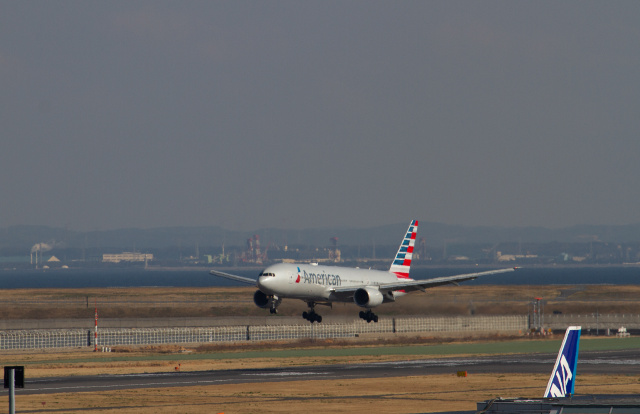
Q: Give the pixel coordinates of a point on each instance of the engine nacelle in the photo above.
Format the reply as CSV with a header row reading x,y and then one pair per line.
x,y
368,297
261,299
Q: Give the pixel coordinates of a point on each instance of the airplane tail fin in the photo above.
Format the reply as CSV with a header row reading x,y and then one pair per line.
x,y
563,378
402,262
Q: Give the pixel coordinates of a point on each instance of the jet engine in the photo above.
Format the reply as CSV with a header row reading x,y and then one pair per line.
x,y
368,297
262,300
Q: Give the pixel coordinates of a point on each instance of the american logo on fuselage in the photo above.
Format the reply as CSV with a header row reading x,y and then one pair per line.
x,y
321,279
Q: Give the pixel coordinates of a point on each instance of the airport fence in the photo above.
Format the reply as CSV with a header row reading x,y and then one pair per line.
x,y
593,321
108,337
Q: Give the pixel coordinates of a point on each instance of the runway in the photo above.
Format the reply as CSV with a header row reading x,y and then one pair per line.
x,y
591,362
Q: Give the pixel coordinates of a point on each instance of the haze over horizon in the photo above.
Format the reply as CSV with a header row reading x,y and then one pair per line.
x,y
300,115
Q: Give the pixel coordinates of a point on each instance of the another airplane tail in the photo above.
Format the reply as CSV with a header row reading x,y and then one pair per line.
x,y
562,380
402,263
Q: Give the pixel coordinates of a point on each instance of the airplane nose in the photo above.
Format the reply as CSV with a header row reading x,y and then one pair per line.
x,y
264,282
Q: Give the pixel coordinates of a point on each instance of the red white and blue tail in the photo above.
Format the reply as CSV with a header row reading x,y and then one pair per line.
x,y
402,262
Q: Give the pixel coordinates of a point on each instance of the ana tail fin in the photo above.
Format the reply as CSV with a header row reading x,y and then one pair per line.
x,y
402,262
563,378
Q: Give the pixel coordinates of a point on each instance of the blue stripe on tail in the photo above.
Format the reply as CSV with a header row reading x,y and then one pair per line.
x,y
563,378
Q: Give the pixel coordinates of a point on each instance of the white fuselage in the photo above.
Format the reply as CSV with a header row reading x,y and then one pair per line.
x,y
311,282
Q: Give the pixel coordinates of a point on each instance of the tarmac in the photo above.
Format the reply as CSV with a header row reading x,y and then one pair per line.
x,y
591,362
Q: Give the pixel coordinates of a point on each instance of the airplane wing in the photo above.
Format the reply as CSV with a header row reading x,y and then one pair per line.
x,y
236,278
439,281
412,285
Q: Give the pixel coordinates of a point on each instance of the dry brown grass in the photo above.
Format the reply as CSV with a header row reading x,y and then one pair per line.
x,y
429,393
216,301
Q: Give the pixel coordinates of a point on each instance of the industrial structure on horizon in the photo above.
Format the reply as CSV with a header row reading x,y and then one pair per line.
x,y
127,257
274,247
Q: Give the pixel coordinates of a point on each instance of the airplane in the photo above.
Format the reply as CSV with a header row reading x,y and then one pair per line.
x,y
323,285
563,377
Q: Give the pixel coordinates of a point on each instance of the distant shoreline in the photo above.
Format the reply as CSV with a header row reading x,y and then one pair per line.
x,y
421,266
348,264
198,276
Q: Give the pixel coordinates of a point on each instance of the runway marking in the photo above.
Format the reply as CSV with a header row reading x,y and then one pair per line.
x,y
285,374
610,362
146,384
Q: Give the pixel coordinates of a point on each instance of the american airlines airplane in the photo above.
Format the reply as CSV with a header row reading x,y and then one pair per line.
x,y
323,285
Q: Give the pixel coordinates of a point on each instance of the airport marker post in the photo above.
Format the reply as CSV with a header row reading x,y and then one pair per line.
x,y
13,378
95,341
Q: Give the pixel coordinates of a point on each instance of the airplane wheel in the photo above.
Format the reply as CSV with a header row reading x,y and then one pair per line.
x,y
318,318
362,315
305,315
375,318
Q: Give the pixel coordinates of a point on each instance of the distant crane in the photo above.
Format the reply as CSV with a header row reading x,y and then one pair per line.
x,y
334,252
253,253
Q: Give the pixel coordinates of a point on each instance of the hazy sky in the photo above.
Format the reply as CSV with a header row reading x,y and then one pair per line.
x,y
317,113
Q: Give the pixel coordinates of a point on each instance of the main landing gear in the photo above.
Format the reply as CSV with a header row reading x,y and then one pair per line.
x,y
369,316
311,316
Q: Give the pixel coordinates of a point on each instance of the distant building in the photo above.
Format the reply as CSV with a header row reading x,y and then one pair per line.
x,y
127,257
514,257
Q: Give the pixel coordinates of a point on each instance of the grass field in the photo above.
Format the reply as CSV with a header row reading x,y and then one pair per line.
x,y
420,394
215,301
141,359
427,393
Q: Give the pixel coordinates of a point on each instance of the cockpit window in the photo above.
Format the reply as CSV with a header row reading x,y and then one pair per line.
x,y
267,274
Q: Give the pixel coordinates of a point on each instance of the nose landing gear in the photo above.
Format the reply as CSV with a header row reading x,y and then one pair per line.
x,y
275,301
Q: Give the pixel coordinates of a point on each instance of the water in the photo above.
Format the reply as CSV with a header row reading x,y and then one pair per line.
x,y
95,278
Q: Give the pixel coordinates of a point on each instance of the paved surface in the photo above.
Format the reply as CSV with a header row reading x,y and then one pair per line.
x,y
600,362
